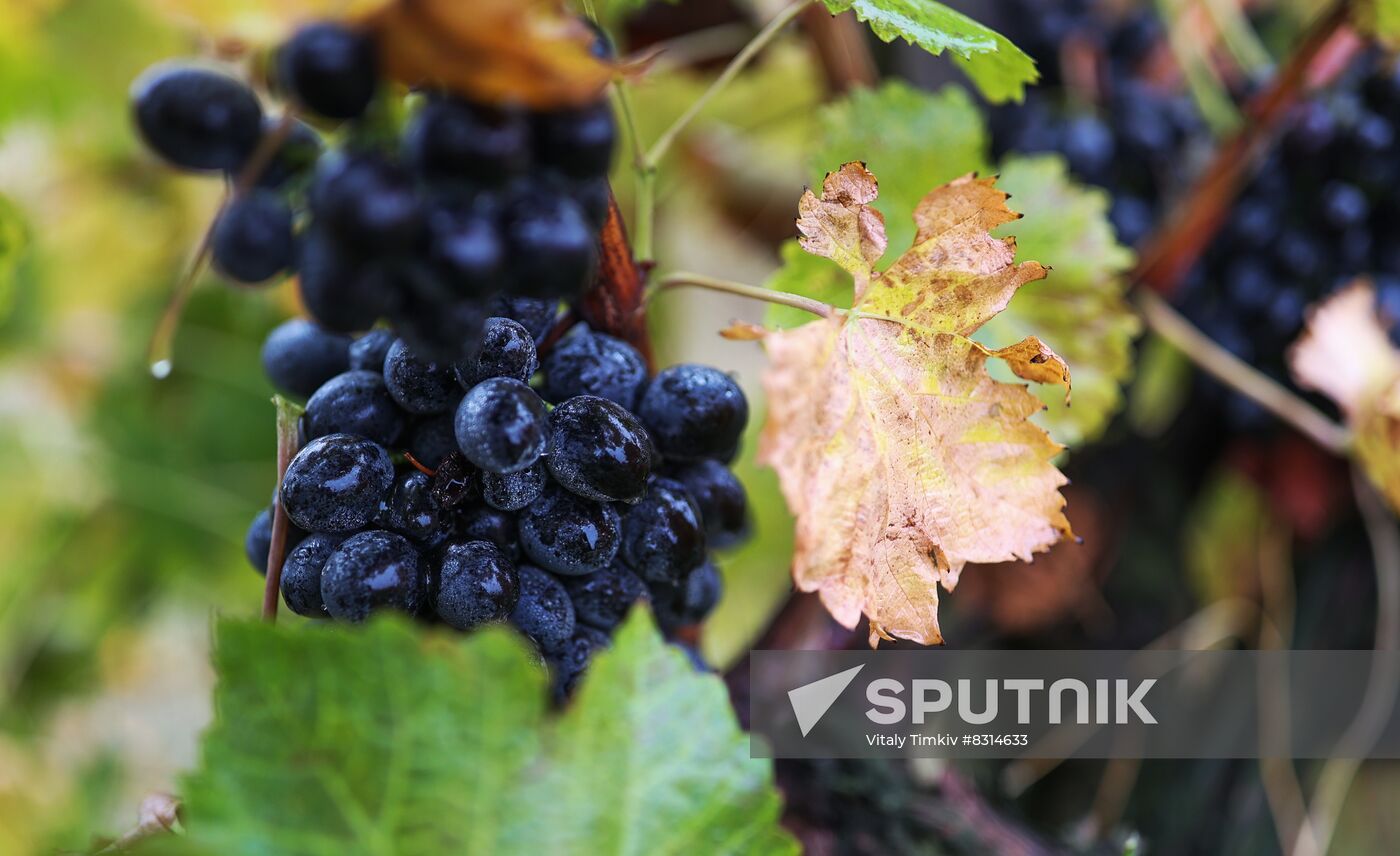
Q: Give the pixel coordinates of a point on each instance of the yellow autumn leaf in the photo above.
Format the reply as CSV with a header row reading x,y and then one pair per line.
x,y
1345,354
900,457
533,52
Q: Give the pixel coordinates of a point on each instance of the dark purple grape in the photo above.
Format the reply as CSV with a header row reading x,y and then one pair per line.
x,y
589,363
411,509
472,583
598,449
367,353
356,402
487,524
694,412
501,426
252,239
549,241
336,483
603,599
298,356
456,140
369,204
507,350
196,118
534,314
420,386
329,68
301,574
372,571
696,598
577,141
721,499
663,538
569,535
543,611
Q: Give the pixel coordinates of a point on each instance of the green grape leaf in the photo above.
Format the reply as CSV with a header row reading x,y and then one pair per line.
x,y
999,69
1081,305
911,138
384,740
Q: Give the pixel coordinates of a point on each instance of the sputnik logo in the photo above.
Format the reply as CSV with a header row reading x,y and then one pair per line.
x,y
810,702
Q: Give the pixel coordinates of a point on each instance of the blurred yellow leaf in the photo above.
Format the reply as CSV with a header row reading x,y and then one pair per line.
x,y
1345,354
900,457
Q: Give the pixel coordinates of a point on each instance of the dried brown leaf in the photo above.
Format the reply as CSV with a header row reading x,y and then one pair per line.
x,y
532,52
900,457
744,331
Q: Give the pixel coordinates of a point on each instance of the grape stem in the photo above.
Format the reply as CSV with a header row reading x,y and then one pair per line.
x,y
1166,322
288,437
683,279
160,353
648,160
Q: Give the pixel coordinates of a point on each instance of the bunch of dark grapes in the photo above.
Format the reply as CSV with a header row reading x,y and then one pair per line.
x,y
428,225
1131,134
551,495
1319,212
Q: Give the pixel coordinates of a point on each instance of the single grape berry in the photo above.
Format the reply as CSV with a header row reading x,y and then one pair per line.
x,y
419,386
514,491
598,449
662,536
568,663
336,483
603,599
252,239
535,314
472,583
369,204
356,402
341,292
543,611
589,363
367,353
720,497
411,509
488,524
371,571
431,439
435,324
579,141
301,574
696,598
694,412
549,241
456,481
454,139
569,535
196,118
502,426
466,249
329,68
507,350
298,356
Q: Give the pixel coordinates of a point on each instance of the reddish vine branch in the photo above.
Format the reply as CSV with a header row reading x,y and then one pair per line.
x,y
288,439
1172,250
